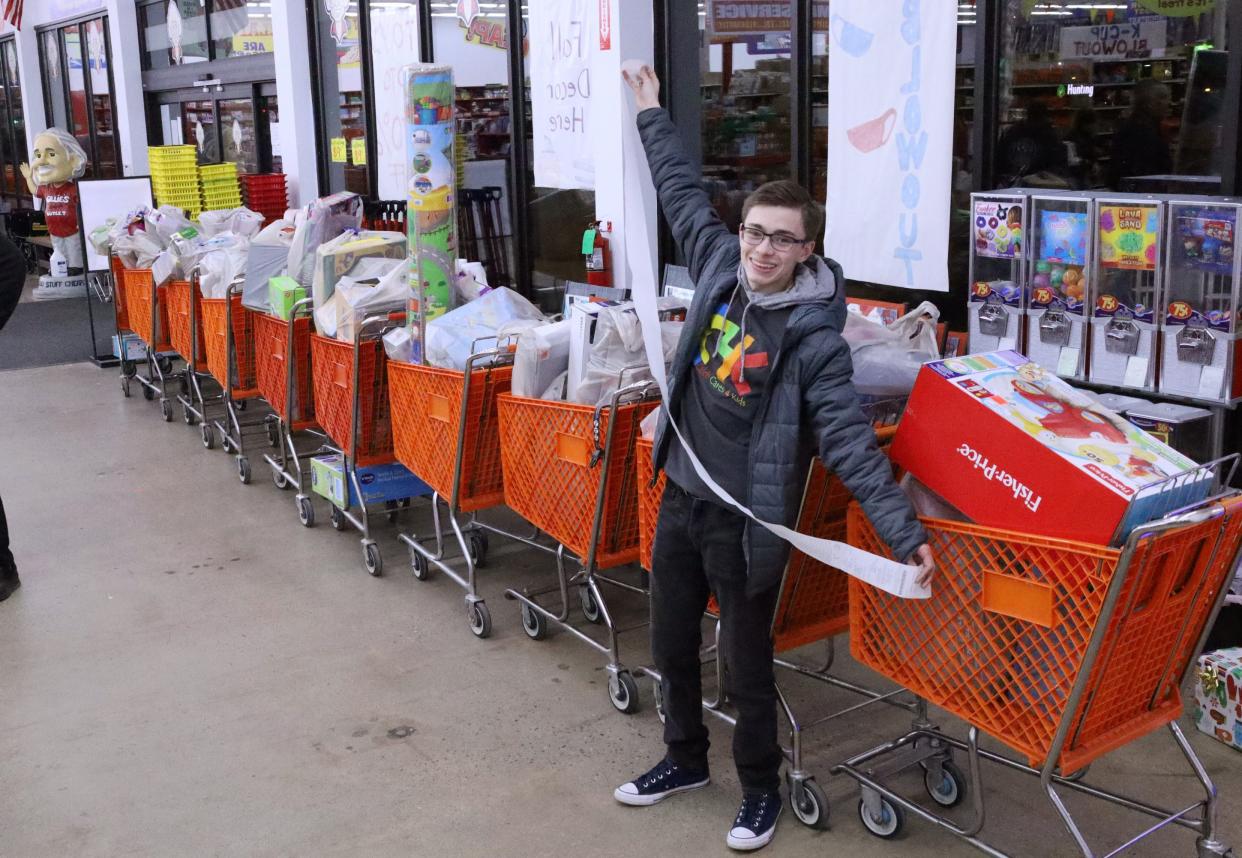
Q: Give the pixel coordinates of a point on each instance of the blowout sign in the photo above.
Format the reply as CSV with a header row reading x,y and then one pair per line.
x,y
562,35
890,141
731,21
1135,39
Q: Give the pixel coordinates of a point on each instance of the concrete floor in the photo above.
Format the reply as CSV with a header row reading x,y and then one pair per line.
x,y
189,672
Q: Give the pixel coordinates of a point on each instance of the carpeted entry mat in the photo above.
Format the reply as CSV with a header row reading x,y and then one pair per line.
x,y
53,332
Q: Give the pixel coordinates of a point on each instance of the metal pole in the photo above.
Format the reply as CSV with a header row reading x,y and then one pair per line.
x,y
1230,169
800,92
986,128
519,159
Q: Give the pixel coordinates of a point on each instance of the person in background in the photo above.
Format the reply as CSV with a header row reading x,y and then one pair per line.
x,y
1031,146
1139,147
12,278
1085,154
761,382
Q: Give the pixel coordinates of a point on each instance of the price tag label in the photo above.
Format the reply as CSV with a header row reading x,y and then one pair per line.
x,y
358,148
340,150
1067,365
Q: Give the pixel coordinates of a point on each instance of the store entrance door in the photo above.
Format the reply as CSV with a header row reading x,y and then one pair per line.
x,y
236,123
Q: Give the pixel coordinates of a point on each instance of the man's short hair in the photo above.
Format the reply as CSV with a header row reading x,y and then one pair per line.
x,y
788,194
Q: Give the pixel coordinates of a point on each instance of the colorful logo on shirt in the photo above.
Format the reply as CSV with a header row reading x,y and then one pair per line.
x,y
721,357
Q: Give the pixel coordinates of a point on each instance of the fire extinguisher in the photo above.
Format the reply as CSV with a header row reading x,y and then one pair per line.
x,y
597,254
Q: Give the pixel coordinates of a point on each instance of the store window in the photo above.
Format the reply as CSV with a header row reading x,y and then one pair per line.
x,y
182,32
12,128
1112,96
343,64
78,88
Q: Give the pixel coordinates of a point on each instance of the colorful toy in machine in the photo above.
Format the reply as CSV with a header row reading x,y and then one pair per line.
x,y
1056,320
998,254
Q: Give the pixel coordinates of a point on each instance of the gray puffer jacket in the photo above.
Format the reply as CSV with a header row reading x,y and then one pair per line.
x,y
809,405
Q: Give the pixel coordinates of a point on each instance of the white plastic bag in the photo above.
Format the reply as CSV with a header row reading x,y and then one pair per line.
x,y
321,221
223,260
887,359
239,221
471,280
138,250
378,286
399,345
617,357
452,338
542,355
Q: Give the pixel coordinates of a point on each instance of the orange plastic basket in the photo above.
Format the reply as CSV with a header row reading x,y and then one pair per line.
x,y
332,363
426,423
118,296
649,498
215,329
179,292
546,450
138,306
1003,638
271,342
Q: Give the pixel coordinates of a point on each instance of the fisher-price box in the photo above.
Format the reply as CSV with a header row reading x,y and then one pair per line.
x,y
1218,695
1011,445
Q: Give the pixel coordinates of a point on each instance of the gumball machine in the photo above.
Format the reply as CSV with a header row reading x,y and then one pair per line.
x,y
1202,310
1125,290
1057,308
998,256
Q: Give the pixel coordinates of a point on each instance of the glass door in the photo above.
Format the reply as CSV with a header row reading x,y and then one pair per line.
x,y
228,124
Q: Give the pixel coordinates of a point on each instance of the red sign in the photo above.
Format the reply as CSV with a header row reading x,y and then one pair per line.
x,y
605,25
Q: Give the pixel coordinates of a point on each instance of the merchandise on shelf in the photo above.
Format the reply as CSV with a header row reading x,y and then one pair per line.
x,y
1011,445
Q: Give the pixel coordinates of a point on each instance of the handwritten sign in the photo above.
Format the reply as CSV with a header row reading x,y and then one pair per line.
x,y
394,40
560,45
340,150
1138,39
358,151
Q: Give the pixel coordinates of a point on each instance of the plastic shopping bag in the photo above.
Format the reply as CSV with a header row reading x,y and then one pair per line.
x,y
138,250
542,355
453,337
323,220
887,359
377,286
239,221
223,260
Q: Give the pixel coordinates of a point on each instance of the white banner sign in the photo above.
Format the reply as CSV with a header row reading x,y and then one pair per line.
x,y
890,141
1141,39
562,36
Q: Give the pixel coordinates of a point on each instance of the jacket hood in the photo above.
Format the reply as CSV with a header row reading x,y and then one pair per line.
x,y
814,284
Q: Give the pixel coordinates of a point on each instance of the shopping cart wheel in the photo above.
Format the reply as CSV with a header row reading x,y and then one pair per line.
x,y
125,386
147,393
534,623
951,789
890,822
129,369
306,511
273,432
480,619
809,803
166,410
393,509
187,416
623,692
209,437
183,383
478,550
338,519
590,605
164,365
279,478
243,470
419,565
657,693
372,559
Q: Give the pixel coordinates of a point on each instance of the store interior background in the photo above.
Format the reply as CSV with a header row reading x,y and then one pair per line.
x,y
256,81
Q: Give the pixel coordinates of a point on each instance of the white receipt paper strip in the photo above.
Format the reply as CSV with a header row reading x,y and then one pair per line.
x,y
888,575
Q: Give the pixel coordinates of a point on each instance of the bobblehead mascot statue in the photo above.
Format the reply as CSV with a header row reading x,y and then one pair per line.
x,y
58,161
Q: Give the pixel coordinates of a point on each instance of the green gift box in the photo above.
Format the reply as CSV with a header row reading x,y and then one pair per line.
x,y
282,294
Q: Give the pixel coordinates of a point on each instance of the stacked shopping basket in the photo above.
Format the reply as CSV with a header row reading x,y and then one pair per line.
x,y
220,188
266,194
174,177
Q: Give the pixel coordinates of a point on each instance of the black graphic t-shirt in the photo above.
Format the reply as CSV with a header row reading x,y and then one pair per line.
x,y
728,378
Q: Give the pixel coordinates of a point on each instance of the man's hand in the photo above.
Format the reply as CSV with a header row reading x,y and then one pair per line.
x,y
646,87
923,559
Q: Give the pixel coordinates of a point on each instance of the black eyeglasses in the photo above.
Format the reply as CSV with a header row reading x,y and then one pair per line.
x,y
781,241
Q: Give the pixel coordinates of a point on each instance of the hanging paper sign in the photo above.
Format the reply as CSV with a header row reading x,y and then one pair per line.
x,y
560,75
729,21
890,141
1135,39
340,150
358,149
1128,237
1178,8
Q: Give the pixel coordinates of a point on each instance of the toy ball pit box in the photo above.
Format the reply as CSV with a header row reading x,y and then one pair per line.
x,y
387,482
1218,696
1012,446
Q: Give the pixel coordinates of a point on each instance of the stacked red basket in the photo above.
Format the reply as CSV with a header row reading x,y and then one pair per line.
x,y
266,194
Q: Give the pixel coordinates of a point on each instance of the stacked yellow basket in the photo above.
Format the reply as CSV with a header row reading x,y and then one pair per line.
x,y
221,189
174,177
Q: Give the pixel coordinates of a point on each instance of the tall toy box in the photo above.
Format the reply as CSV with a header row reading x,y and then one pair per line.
x,y
1218,695
996,312
1013,446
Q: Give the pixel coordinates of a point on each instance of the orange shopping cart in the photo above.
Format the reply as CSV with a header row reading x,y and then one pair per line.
x,y
228,328
446,430
1060,650
185,324
282,352
569,470
142,305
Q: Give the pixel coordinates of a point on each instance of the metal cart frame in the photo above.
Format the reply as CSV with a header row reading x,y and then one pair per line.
x,y
229,427
193,401
159,366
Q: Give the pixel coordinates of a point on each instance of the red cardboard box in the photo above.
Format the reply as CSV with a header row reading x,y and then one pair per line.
x,y
1013,446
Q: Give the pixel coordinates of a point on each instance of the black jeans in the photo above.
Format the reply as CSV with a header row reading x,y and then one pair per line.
x,y
697,551
6,556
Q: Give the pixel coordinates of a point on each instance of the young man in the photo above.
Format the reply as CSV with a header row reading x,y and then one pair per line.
x,y
761,382
12,278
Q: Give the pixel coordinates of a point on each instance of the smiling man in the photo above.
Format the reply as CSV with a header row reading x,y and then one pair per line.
x,y
760,383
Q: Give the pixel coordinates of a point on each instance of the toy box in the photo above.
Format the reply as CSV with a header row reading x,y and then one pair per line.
x,y
997,273
282,294
1056,319
388,482
1218,696
129,347
336,258
1011,445
1125,290
1202,346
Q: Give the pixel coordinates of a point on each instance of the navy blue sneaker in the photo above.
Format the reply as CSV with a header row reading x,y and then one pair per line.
x,y
667,778
756,821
